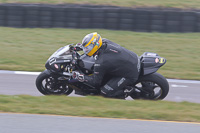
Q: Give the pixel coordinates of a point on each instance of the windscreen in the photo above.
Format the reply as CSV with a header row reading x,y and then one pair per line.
x,y
63,53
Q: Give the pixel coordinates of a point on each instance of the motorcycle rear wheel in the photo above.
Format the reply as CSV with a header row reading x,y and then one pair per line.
x,y
151,87
49,85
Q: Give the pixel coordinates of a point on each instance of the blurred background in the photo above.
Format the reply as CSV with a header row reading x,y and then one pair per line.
x,y
31,30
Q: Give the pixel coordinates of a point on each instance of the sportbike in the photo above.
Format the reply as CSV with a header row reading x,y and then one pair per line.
x,y
57,78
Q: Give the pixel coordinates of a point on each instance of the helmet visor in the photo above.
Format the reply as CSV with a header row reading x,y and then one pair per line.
x,y
87,49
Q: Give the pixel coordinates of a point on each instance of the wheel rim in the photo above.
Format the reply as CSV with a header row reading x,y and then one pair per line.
x,y
52,86
149,90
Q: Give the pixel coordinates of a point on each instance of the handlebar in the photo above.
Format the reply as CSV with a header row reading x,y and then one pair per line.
x,y
77,47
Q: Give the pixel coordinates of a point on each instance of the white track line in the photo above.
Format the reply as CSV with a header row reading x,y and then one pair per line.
x,y
37,73
183,81
27,73
19,72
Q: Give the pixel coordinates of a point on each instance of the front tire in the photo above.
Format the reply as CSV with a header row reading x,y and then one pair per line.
x,y
50,85
151,87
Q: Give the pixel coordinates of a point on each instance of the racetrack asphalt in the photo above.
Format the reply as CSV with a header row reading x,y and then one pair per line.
x,y
31,123
17,83
24,83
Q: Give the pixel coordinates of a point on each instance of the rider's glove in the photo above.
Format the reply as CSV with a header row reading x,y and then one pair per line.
x,y
78,76
78,47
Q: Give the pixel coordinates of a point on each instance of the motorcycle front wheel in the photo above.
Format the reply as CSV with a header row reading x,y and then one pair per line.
x,y
151,87
50,85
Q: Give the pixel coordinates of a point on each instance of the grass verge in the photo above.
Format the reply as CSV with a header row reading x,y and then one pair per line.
x,y
125,3
101,107
28,49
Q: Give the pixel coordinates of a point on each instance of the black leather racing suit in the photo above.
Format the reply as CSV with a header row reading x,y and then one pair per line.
x,y
118,64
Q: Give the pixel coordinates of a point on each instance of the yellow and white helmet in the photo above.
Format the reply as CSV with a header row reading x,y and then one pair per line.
x,y
91,43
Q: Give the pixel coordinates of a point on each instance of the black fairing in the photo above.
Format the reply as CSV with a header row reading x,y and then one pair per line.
x,y
151,62
86,64
56,64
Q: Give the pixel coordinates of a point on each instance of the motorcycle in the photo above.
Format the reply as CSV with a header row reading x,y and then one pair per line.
x,y
57,78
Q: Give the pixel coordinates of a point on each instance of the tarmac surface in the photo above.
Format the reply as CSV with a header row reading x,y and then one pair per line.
x,y
24,83
17,83
29,123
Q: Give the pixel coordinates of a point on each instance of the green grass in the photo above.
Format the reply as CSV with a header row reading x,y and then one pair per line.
x,y
101,107
125,3
28,49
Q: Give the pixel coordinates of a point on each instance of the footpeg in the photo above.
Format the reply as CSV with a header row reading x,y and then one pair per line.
x,y
129,90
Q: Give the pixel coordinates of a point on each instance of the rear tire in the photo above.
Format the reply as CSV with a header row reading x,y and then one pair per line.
x,y
46,84
148,84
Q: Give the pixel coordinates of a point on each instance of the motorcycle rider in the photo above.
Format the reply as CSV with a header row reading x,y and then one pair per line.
x,y
112,61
